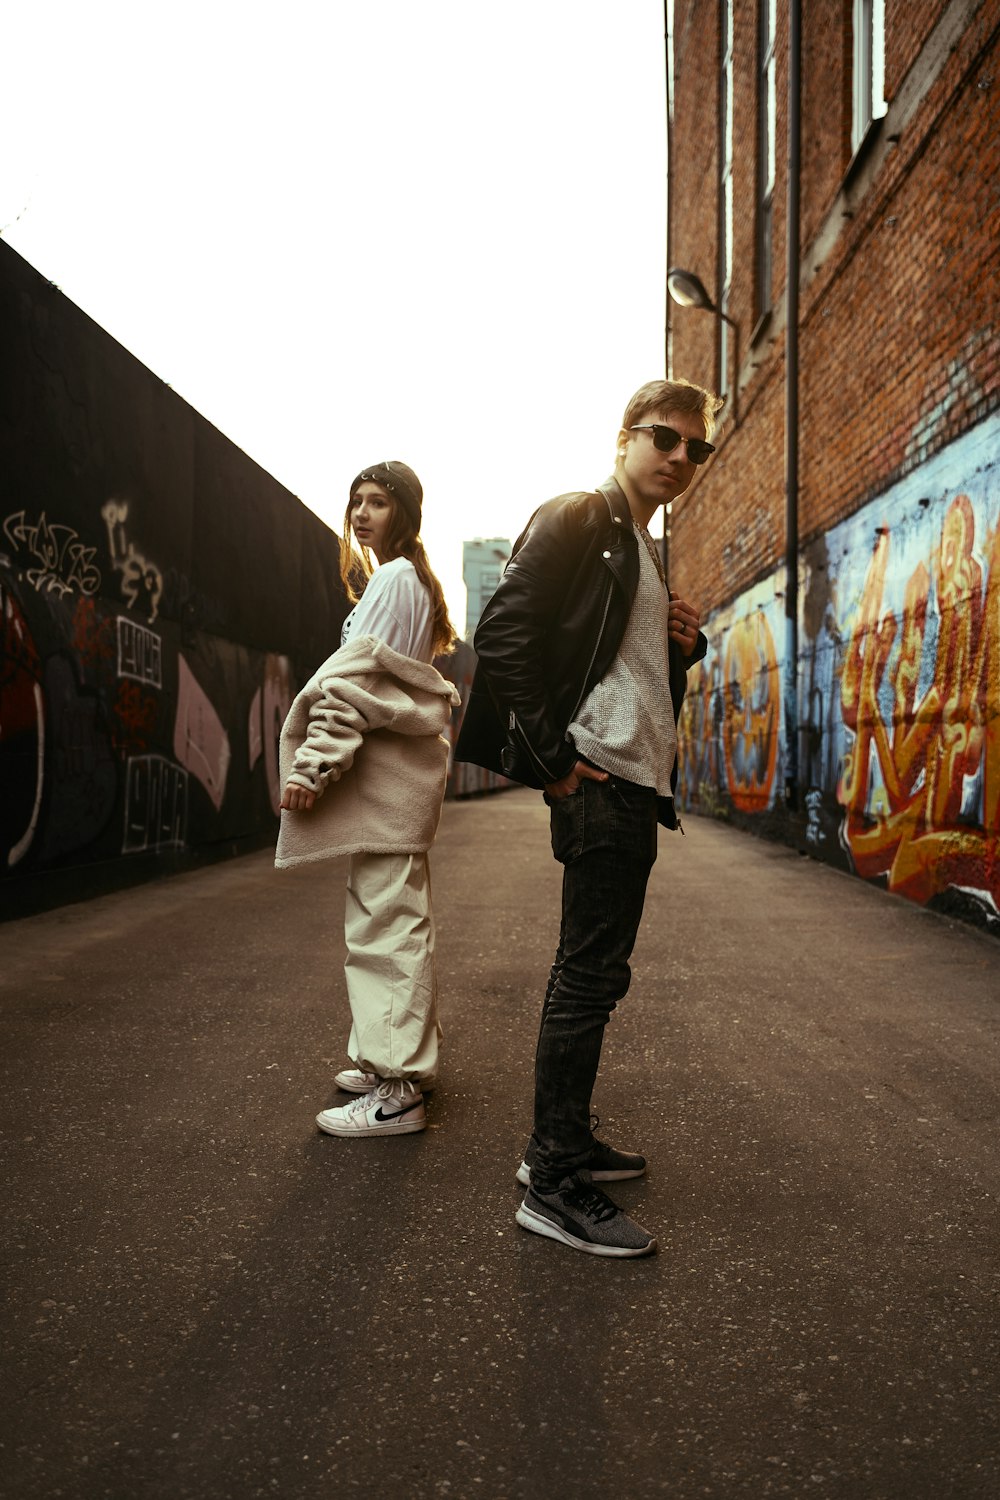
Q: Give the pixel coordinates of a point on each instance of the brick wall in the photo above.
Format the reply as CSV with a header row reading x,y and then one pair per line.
x,y
898,398
897,351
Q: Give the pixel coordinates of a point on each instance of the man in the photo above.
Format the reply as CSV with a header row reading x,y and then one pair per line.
x,y
576,650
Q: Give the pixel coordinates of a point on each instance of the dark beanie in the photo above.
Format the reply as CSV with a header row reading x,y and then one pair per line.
x,y
401,482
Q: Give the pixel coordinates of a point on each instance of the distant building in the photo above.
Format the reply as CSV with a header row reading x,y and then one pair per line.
x,y
482,563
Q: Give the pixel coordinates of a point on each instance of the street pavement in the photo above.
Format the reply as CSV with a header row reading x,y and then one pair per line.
x,y
209,1298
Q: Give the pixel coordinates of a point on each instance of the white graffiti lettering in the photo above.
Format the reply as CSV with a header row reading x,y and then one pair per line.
x,y
141,580
138,652
58,559
156,798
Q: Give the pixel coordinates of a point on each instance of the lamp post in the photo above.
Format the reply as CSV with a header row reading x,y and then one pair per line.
x,y
687,290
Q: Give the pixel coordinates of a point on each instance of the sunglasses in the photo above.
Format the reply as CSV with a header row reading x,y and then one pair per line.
x,y
666,440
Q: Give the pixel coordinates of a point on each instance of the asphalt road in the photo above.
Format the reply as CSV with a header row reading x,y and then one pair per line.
x,y
209,1298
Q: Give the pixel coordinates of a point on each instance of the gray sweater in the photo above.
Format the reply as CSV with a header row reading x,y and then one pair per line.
x,y
626,725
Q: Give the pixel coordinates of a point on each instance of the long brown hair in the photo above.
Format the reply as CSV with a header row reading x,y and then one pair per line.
x,y
401,540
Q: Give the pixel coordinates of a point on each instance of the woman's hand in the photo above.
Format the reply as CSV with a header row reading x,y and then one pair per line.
x,y
297,798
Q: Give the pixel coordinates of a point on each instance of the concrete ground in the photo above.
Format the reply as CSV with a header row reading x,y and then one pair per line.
x,y
209,1298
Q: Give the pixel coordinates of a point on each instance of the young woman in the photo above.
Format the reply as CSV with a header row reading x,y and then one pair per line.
x,y
364,763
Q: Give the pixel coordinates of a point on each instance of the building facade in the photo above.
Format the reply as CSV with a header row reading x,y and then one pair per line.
x,y
483,561
845,540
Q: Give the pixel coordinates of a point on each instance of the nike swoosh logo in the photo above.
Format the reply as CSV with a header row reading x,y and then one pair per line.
x,y
396,1114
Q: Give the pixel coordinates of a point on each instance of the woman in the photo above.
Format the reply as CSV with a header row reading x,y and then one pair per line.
x,y
364,763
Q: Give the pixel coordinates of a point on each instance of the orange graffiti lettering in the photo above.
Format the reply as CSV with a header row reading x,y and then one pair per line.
x,y
751,723
904,777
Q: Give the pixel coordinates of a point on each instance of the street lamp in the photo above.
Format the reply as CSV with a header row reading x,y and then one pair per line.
x,y
687,290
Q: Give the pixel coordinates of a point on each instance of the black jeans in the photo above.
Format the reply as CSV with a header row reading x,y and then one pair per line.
x,y
604,835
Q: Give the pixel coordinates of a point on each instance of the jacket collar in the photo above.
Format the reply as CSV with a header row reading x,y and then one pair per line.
x,y
617,501
622,553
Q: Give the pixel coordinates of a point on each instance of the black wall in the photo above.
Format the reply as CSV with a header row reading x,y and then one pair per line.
x,y
161,599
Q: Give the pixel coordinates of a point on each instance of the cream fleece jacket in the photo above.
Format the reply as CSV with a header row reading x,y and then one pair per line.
x,y
366,735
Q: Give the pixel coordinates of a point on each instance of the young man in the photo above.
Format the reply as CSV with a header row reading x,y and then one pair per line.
x,y
576,650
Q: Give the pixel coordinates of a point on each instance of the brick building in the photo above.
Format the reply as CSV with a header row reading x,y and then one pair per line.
x,y
881,751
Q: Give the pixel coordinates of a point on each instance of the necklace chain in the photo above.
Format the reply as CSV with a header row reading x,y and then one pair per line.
x,y
651,549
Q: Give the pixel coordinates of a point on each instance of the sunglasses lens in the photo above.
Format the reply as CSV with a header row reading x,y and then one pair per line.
x,y
666,440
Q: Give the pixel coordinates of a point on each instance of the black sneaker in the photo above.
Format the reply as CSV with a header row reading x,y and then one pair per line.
x,y
604,1163
578,1214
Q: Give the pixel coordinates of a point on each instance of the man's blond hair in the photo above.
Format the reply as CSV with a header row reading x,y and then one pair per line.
x,y
659,397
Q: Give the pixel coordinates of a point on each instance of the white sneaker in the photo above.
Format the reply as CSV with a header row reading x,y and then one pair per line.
x,y
394,1107
356,1081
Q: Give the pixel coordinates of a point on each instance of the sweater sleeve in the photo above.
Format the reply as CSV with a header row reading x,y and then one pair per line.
x,y
336,729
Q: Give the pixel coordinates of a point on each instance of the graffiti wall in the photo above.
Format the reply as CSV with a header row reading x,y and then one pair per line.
x,y
161,597
898,684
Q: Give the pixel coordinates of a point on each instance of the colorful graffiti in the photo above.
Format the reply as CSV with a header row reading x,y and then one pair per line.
x,y
920,785
22,731
109,732
729,732
753,712
899,670
147,600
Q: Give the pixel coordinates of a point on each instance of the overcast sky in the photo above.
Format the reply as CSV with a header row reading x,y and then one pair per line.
x,y
431,230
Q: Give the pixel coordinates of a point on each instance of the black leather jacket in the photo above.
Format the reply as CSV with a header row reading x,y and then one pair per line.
x,y
549,634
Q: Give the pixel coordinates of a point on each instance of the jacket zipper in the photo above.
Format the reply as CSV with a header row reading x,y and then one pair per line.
x,y
515,727
513,724
593,654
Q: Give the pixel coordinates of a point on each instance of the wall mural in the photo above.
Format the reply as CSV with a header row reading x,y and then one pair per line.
x,y
898,682
731,726
116,738
121,731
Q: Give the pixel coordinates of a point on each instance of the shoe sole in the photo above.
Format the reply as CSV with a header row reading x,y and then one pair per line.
x,y
524,1174
366,1088
405,1127
528,1219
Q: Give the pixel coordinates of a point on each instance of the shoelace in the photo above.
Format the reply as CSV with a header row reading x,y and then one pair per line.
x,y
599,1146
592,1202
384,1090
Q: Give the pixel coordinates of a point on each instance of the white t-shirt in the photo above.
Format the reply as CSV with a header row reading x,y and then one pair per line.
x,y
395,607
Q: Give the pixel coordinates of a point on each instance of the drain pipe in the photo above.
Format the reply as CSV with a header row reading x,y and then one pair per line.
x,y
790,686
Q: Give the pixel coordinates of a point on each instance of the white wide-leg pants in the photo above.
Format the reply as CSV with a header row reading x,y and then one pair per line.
x,y
391,985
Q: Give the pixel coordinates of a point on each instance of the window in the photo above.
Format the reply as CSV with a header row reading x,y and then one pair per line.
x,y
767,121
869,67
725,186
